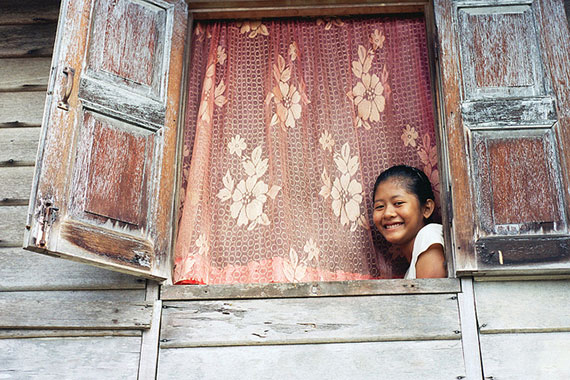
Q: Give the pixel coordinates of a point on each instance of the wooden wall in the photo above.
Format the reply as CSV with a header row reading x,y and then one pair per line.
x,y
58,319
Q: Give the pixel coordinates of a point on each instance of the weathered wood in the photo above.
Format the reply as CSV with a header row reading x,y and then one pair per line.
x,y
378,360
18,146
526,356
469,330
118,295
12,221
74,314
70,358
303,320
16,185
500,113
149,347
26,40
21,109
19,334
317,289
24,270
24,74
14,12
519,306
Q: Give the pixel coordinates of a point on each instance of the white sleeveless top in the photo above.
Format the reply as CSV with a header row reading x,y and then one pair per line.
x,y
428,235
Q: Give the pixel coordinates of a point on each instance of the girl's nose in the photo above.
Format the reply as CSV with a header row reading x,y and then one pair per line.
x,y
390,211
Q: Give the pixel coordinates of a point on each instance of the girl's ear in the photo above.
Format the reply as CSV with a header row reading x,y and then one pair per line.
x,y
428,208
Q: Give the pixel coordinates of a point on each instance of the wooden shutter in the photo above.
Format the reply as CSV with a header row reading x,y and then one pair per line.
x,y
103,191
505,68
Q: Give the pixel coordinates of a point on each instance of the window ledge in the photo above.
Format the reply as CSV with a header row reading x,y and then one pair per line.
x,y
310,289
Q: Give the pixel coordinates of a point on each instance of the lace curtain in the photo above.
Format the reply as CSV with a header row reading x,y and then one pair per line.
x,y
288,124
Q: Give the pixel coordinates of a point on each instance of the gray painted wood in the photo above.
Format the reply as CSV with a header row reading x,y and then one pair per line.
x,y
469,330
316,289
21,109
539,356
12,221
70,358
18,334
24,74
18,146
379,360
28,11
16,185
304,320
24,270
523,306
74,314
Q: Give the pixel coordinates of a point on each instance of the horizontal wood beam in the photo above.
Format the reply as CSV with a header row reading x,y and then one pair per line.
x,y
316,289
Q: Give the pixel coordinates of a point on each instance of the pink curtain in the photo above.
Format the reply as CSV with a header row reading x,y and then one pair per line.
x,y
289,123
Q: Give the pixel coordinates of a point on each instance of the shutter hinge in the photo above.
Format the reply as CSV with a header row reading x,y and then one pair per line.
x,y
47,214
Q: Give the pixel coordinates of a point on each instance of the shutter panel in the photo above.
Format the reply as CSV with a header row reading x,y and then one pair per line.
x,y
104,185
505,68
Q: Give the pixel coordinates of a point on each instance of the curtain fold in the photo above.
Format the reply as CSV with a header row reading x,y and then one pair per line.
x,y
288,124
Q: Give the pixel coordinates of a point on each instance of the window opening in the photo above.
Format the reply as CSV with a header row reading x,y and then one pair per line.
x,y
288,123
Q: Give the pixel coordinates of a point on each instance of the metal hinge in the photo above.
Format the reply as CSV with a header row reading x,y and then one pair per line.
x,y
47,214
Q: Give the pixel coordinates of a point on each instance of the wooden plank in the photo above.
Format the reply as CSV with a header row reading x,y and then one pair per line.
x,y
70,358
378,360
24,74
18,146
28,11
12,221
74,314
118,295
19,334
22,109
24,270
523,306
303,320
526,356
34,40
16,185
469,330
149,347
317,289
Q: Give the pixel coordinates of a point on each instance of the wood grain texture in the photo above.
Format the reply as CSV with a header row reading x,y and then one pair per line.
x,y
542,356
13,12
425,360
317,289
469,330
303,320
12,222
24,270
519,306
24,74
22,313
16,185
21,109
26,40
27,334
70,358
18,146
115,295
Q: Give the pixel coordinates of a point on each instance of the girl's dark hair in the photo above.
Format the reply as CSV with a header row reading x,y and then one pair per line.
x,y
415,181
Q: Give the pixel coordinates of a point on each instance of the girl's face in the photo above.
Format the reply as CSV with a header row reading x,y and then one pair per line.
x,y
398,214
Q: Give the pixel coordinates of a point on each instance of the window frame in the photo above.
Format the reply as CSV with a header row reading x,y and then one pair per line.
x,y
230,10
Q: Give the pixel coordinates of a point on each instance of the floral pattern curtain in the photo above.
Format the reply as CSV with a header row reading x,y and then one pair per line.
x,y
288,124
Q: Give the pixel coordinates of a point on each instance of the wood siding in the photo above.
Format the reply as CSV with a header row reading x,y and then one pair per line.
x,y
59,319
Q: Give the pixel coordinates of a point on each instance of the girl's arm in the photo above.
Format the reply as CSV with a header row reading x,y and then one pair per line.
x,y
431,263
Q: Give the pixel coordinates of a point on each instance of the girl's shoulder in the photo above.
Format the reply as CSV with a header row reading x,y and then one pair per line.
x,y
429,234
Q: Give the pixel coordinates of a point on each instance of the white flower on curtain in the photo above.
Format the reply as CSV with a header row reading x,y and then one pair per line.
x,y
409,136
326,141
250,194
221,55
311,250
294,269
202,244
345,191
253,28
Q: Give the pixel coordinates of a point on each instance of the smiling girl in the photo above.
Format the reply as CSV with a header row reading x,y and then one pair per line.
x,y
403,206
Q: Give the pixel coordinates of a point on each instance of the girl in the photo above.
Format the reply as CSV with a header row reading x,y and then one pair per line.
x,y
403,206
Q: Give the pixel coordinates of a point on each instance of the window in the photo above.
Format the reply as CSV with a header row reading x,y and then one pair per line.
x,y
114,112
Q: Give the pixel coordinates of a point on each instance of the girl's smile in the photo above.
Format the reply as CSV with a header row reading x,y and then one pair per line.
x,y
398,214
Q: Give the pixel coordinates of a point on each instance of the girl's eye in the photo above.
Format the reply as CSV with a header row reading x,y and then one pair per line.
x,y
379,207
399,203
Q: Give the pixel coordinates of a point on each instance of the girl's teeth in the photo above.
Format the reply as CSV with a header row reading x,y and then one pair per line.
x,y
393,226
